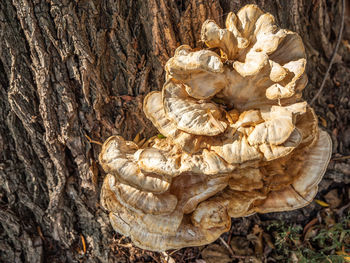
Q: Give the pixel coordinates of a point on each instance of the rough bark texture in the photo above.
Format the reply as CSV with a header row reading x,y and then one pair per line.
x,y
75,68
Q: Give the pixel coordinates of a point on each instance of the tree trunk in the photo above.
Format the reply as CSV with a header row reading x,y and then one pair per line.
x,y
73,70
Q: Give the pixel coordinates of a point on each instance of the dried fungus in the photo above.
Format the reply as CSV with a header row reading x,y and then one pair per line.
x,y
239,139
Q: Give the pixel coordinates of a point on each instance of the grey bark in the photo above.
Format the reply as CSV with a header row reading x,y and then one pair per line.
x,y
75,68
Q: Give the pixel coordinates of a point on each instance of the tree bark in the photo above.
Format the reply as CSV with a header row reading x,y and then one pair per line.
x,y
73,70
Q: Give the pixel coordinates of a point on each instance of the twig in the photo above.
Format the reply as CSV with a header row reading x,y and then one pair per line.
x,y
341,158
155,259
183,255
310,224
40,233
173,252
230,249
227,246
230,235
168,258
129,245
92,141
83,243
333,55
341,210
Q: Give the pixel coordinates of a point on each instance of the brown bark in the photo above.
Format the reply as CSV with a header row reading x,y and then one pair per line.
x,y
75,68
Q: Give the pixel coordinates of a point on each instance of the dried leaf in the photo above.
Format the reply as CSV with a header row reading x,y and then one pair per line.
x,y
333,198
137,138
168,258
343,253
140,143
257,239
160,136
310,233
215,254
94,170
321,203
127,98
327,216
323,122
257,242
218,100
240,246
310,224
83,243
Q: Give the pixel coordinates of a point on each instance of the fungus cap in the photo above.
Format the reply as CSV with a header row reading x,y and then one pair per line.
x,y
239,139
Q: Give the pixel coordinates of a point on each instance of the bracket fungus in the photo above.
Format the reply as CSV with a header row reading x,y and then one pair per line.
x,y
239,139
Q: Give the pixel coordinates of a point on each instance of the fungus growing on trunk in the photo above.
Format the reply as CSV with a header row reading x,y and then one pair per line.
x,y
239,139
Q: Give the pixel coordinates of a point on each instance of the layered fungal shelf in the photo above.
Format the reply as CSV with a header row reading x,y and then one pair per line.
x,y
239,139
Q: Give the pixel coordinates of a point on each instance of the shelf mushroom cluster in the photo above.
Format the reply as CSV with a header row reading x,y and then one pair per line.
x,y
239,139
